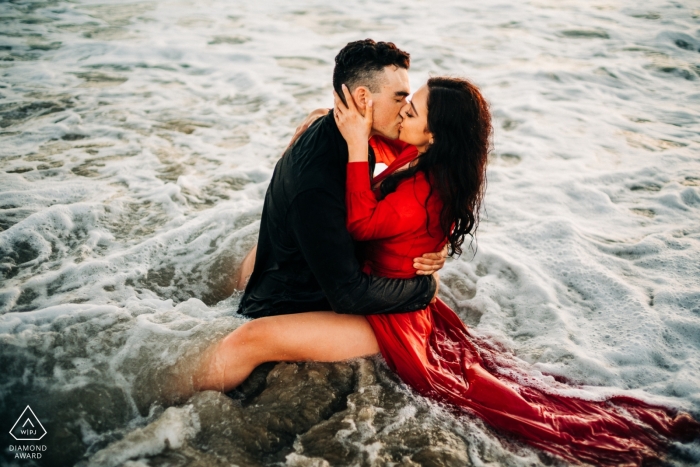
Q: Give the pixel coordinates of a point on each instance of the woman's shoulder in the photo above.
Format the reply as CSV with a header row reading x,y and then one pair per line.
x,y
424,191
419,179
417,185
413,199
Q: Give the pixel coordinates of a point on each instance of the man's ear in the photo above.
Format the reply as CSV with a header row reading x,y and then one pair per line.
x,y
361,95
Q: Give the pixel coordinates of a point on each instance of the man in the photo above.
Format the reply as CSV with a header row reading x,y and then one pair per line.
x,y
305,258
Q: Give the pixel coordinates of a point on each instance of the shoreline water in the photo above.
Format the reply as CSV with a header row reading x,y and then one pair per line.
x,y
136,144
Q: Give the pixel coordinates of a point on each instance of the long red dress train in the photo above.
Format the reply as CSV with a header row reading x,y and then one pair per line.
x,y
433,352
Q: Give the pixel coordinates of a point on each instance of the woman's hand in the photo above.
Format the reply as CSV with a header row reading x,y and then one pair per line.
x,y
354,126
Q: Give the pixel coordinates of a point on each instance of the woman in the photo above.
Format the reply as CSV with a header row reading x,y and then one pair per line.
x,y
430,195
436,200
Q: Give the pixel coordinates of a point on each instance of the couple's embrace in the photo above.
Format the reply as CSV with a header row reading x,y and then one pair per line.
x,y
346,263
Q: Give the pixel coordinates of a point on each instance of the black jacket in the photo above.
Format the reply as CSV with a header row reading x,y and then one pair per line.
x,y
306,258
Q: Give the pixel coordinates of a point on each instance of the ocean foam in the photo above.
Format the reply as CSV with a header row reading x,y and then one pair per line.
x,y
137,141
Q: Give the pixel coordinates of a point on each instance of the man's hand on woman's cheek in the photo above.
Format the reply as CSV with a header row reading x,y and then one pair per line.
x,y
430,263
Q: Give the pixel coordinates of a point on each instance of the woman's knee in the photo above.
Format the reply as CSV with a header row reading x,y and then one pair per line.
x,y
249,336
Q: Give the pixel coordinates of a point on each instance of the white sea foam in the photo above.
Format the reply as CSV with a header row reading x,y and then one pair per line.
x,y
137,140
171,430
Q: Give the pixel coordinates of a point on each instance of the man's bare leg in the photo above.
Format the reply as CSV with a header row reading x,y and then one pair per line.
x,y
319,336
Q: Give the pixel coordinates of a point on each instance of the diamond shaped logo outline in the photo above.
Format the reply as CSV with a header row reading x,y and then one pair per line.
x,y
20,418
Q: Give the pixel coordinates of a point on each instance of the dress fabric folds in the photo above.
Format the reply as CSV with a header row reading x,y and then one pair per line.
x,y
433,352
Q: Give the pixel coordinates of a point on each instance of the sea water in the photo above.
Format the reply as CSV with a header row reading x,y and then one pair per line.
x,y
137,140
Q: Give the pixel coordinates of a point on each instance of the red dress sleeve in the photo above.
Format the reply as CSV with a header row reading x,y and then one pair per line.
x,y
369,219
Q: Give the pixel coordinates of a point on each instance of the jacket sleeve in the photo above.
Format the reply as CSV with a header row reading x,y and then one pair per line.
x,y
367,218
317,220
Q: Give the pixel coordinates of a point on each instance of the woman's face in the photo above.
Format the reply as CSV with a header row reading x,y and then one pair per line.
x,y
414,126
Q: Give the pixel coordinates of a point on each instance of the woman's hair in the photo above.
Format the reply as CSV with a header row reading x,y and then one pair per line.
x,y
455,163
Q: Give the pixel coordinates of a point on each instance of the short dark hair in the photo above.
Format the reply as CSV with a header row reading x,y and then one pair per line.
x,y
358,62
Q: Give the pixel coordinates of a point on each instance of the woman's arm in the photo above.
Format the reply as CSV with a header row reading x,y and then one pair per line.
x,y
353,125
367,218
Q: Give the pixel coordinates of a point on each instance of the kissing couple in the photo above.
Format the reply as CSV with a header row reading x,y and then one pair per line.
x,y
347,263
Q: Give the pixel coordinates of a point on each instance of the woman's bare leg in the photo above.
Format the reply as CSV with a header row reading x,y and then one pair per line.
x,y
322,336
241,276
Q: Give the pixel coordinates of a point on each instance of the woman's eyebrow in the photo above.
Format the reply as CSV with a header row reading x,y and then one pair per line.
x,y
414,108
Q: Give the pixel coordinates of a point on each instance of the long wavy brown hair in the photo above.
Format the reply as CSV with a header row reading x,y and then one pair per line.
x,y
455,164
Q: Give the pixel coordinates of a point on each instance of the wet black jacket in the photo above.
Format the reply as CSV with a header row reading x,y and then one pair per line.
x,y
306,258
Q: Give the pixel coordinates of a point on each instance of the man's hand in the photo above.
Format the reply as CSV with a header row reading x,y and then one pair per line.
x,y
437,286
312,117
430,263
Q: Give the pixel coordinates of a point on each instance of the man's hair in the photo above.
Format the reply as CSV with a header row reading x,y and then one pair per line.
x,y
359,64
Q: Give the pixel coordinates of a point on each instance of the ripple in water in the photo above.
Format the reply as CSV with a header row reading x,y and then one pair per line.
x,y
136,143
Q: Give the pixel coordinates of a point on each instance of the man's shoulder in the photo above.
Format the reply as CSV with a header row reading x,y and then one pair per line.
x,y
322,135
315,160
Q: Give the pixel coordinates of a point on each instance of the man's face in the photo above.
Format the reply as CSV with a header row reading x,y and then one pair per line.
x,y
389,101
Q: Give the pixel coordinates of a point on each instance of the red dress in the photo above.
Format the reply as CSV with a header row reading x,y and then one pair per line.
x,y
433,352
